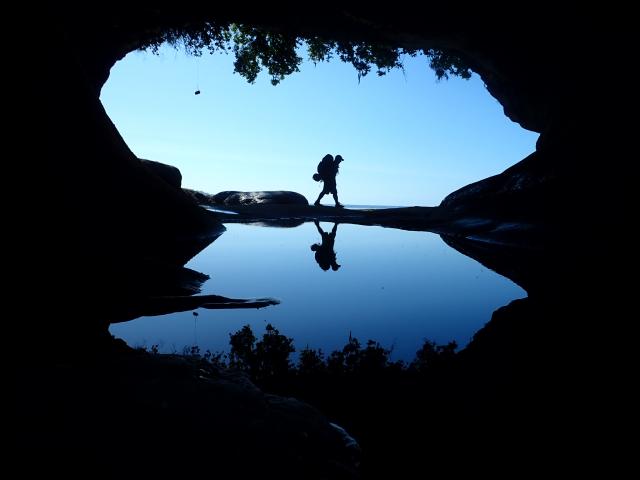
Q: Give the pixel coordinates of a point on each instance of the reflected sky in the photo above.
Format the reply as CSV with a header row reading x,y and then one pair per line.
x,y
394,286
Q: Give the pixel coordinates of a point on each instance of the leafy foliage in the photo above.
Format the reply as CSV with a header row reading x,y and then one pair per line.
x,y
445,64
257,48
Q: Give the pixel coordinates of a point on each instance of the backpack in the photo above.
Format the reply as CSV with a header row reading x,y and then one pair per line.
x,y
324,169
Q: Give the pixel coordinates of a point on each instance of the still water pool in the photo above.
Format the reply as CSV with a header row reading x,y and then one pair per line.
x,y
397,287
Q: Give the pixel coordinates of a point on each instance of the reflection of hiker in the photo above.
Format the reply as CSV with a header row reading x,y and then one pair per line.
x,y
325,256
327,171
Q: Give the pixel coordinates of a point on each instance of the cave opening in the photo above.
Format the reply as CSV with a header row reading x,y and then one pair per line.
x,y
92,393
409,138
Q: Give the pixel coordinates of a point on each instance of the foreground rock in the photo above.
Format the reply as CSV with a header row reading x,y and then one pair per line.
x,y
131,414
232,198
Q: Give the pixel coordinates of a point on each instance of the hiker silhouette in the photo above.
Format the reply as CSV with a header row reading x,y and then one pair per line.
x,y
325,255
327,171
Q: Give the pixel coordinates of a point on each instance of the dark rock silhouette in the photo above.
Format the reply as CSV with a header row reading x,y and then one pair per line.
x,y
250,198
196,418
113,216
515,196
168,173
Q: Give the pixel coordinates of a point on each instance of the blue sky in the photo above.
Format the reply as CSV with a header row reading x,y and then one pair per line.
x,y
406,138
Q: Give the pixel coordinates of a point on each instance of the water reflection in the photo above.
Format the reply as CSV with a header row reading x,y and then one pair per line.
x,y
402,288
324,252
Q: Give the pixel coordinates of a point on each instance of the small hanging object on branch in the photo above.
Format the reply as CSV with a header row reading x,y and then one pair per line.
x,y
197,92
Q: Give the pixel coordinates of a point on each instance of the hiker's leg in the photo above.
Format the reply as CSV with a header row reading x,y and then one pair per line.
x,y
317,202
335,197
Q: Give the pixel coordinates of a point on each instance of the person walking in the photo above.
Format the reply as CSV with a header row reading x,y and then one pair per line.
x,y
327,171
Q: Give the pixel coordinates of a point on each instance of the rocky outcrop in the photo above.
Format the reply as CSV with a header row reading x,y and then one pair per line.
x,y
113,216
252,198
168,173
508,208
527,175
518,192
232,197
